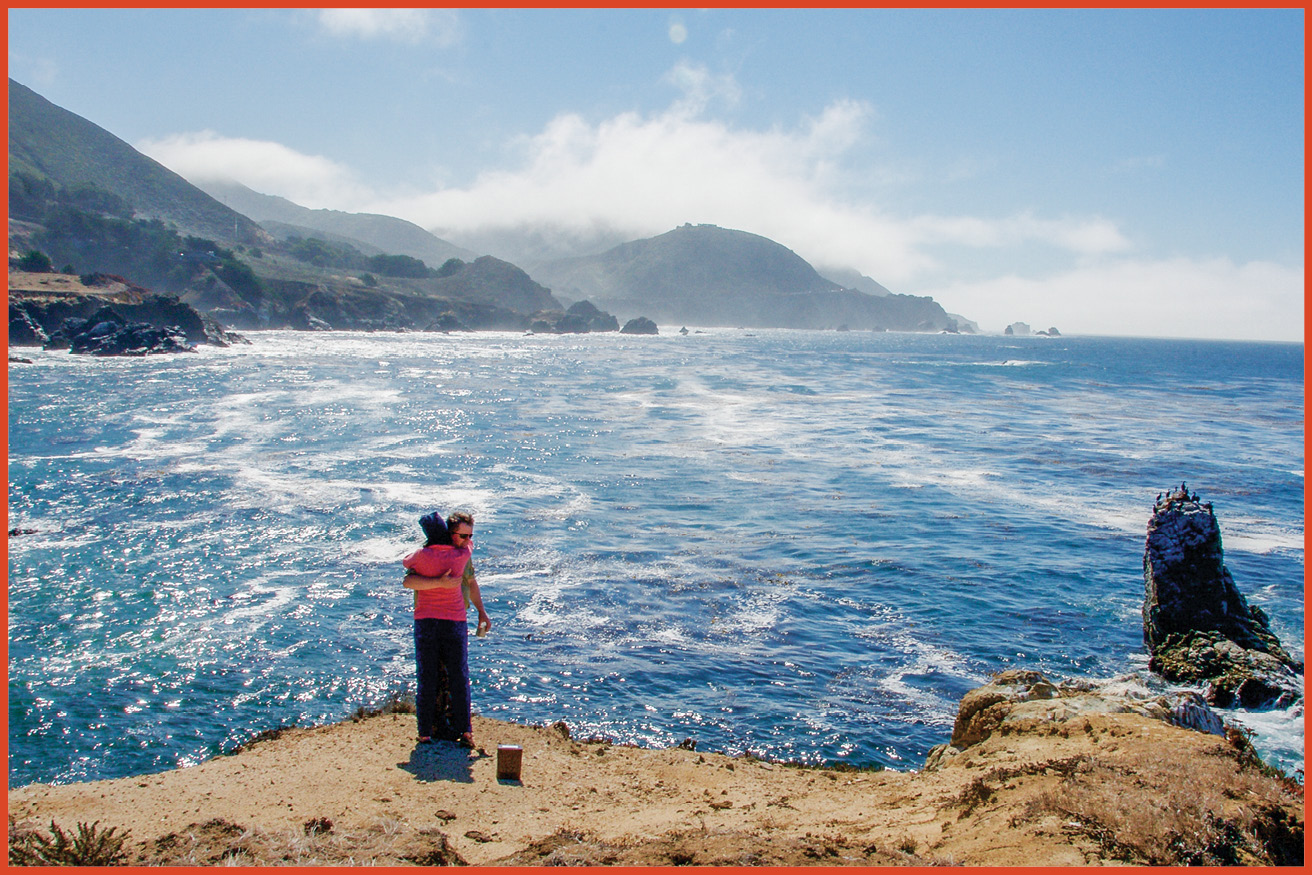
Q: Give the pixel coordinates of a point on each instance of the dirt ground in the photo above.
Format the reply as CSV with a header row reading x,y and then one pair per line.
x,y
51,286
1092,792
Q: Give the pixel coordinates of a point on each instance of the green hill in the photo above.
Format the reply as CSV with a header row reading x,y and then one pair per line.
x,y
385,233
51,143
91,204
706,275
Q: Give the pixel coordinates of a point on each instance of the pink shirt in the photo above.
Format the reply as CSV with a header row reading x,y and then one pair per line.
x,y
441,603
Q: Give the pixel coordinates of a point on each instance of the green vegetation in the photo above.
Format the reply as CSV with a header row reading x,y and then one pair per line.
x,y
92,230
89,846
35,262
399,266
322,253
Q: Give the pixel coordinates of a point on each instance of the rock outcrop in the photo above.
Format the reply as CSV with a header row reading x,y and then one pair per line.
x,y
54,322
1021,699
1197,626
583,317
639,325
107,333
23,329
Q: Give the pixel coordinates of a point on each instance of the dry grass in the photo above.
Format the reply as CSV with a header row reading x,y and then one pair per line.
x,y
220,843
715,848
1155,809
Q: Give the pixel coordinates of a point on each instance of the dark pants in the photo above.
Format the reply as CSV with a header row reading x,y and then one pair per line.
x,y
442,666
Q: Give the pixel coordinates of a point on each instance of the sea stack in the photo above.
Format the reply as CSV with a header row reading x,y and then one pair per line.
x,y
1197,626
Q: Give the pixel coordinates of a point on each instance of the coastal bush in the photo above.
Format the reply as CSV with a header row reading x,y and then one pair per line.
x,y
36,262
322,253
399,266
89,846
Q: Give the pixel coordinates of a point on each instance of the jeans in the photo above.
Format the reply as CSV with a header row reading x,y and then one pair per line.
x,y
442,649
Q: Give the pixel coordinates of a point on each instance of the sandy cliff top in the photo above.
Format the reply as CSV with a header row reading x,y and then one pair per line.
x,y
1095,789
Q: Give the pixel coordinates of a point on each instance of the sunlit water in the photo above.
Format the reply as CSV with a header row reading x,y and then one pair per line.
x,y
803,545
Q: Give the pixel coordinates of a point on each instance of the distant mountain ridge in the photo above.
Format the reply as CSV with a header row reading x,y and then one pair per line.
x,y
49,142
83,199
707,275
332,269
385,233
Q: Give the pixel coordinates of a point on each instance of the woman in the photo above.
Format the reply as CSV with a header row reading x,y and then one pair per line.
x,y
442,640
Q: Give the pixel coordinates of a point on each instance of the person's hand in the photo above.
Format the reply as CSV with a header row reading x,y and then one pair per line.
x,y
484,621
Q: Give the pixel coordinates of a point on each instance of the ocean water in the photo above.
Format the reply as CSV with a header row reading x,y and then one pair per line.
x,y
803,545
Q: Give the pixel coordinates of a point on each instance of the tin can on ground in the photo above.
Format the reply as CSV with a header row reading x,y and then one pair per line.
x,y
509,758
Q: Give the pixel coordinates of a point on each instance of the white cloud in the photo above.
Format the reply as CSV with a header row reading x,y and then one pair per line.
x,y
645,174
270,168
636,175
440,26
1179,297
1084,236
700,89
678,32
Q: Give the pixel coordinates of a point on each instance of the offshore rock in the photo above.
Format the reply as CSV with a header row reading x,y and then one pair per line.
x,y
1021,699
1197,625
583,317
639,325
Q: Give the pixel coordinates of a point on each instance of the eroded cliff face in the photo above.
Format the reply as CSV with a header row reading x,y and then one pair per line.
x,y
1197,624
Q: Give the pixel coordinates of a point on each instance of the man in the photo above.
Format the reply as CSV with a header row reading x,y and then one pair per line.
x,y
442,643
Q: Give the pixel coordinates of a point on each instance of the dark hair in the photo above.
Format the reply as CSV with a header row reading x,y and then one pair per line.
x,y
434,529
458,518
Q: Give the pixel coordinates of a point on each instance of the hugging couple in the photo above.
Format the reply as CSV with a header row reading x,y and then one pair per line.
x,y
442,578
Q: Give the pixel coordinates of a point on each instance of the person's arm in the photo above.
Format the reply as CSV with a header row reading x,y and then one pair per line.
x,y
418,582
476,599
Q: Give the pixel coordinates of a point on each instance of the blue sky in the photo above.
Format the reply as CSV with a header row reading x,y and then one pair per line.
x,y
1107,172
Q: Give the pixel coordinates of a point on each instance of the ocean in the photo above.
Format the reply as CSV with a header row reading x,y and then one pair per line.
x,y
799,545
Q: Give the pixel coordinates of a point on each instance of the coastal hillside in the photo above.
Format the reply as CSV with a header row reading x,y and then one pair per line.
x,y
91,204
385,233
47,142
707,275
84,204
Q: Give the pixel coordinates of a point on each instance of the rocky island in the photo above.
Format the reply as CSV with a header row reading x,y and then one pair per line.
x,y
1036,773
1197,625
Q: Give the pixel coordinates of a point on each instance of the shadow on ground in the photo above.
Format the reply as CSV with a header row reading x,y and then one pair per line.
x,y
441,761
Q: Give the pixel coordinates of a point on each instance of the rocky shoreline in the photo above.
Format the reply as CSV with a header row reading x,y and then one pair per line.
x,y
109,317
106,315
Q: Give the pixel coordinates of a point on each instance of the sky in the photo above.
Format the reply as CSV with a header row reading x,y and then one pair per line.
x,y
1107,172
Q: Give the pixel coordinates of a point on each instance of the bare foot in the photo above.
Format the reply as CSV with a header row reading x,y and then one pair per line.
x,y
467,740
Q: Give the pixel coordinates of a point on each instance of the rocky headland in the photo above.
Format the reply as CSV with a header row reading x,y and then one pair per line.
x,y
101,314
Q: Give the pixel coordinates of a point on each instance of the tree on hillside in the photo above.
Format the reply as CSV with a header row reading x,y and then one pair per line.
x,y
399,266
36,262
